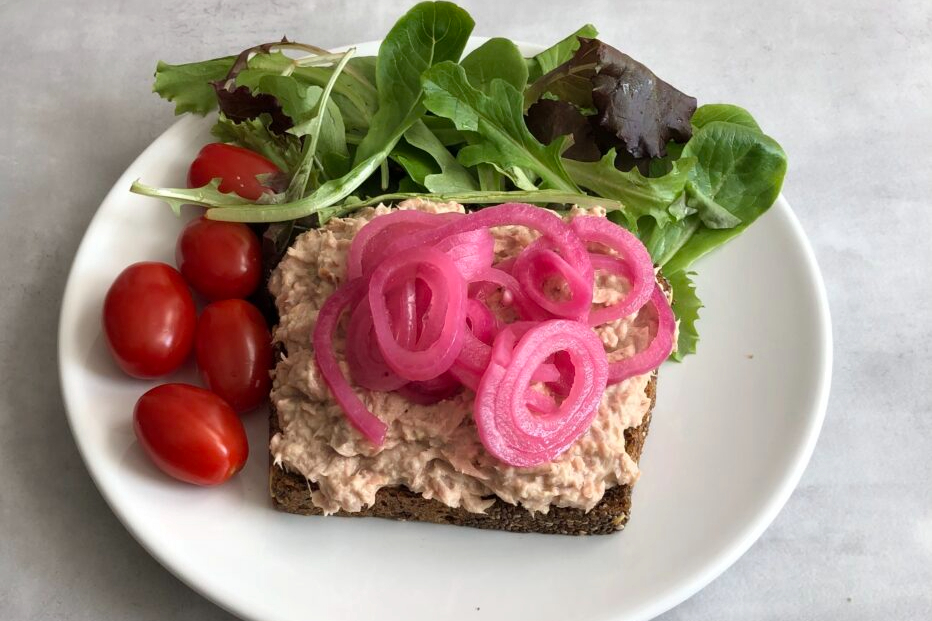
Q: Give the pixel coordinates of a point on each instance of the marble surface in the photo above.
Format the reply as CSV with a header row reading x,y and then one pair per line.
x,y
845,85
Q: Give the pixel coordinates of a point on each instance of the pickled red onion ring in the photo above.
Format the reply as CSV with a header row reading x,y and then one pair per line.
x,y
559,233
472,251
404,306
536,265
366,364
628,305
367,423
368,245
507,427
511,287
413,329
630,250
480,321
655,353
444,321
431,391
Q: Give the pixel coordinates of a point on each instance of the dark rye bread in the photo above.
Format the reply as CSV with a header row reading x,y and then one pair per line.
x,y
291,493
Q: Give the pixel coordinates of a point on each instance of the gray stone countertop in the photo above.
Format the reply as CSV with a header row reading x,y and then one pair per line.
x,y
845,85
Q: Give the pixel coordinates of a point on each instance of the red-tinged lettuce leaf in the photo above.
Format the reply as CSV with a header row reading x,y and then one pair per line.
x,y
640,109
240,104
634,107
548,119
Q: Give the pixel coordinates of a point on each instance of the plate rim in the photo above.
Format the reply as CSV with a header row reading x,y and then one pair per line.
x,y
715,566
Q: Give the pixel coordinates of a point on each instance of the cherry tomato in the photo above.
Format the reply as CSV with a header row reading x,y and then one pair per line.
x,y
234,353
237,167
149,319
190,433
220,260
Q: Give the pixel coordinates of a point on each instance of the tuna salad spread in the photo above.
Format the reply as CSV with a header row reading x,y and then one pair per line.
x,y
432,450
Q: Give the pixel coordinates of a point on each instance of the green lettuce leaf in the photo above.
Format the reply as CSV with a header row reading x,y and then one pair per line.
x,y
498,121
353,93
710,113
686,305
737,176
496,58
429,33
188,86
559,53
641,196
452,176
417,163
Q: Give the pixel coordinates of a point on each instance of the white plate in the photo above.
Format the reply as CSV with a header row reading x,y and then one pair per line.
x,y
732,432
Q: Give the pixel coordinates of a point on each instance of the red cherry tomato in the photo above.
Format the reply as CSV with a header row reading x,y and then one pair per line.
x,y
149,319
220,260
234,353
190,433
237,167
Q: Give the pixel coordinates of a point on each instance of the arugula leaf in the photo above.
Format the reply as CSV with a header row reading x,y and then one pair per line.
x,y
429,33
453,177
709,113
497,119
559,53
535,197
496,58
738,174
296,100
418,164
316,202
188,86
641,196
490,180
444,130
686,305
353,94
324,201
324,127
283,150
209,194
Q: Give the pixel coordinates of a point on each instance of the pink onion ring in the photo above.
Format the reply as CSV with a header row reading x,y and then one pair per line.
x,y
365,361
431,391
655,353
367,423
444,321
367,248
532,269
481,322
510,286
507,427
628,304
403,306
630,250
560,234
472,251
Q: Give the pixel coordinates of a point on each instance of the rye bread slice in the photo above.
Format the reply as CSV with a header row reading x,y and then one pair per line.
x,y
291,493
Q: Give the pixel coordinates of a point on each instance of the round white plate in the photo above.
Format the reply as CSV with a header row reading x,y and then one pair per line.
x,y
732,432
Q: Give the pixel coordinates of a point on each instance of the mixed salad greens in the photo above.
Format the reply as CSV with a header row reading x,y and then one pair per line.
x,y
579,123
